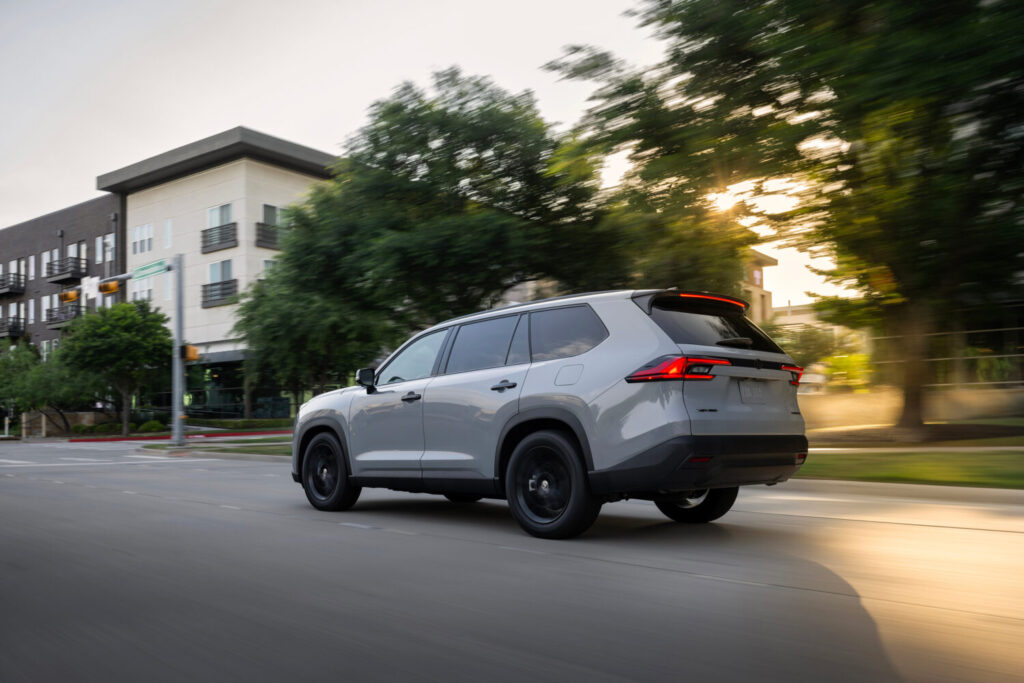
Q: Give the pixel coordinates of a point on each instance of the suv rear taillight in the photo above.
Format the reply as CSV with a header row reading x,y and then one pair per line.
x,y
795,372
676,368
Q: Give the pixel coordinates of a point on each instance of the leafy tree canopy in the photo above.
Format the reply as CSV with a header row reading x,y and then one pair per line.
x,y
897,126
126,346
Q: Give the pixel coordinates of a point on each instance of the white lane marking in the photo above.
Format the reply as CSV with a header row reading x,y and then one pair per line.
x,y
102,464
15,462
354,525
87,459
230,507
130,493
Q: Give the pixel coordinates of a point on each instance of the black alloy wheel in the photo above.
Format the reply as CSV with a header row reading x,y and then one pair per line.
x,y
325,475
547,489
699,507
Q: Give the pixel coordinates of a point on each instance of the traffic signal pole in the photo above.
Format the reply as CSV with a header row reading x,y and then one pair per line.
x,y
178,365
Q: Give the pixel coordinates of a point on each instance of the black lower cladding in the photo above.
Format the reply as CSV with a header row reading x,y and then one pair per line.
x,y
701,462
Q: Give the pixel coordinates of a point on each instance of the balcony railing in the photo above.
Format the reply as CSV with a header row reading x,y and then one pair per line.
x,y
221,237
12,283
70,269
220,293
62,315
12,327
268,236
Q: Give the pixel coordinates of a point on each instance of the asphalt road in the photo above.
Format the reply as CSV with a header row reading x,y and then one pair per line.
x,y
116,566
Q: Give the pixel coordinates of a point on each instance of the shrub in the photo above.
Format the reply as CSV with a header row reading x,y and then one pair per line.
x,y
151,426
265,423
81,429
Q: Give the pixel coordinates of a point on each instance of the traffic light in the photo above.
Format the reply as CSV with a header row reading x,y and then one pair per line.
x,y
189,353
112,287
68,296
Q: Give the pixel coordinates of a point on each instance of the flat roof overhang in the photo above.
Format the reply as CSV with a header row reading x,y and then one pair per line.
x,y
213,151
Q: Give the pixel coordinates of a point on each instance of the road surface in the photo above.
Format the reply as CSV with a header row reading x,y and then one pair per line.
x,y
121,565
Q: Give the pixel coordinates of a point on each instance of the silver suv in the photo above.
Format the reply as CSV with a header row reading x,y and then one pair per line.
x,y
562,405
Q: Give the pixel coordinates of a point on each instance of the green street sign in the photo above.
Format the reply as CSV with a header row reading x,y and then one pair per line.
x,y
150,269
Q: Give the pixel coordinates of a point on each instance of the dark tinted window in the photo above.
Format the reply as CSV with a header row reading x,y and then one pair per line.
x,y
564,332
693,322
519,352
481,345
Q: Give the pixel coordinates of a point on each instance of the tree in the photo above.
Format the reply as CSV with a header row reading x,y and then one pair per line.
x,y
897,126
444,201
32,384
126,346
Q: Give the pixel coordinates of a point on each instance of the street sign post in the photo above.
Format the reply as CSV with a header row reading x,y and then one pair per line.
x,y
150,269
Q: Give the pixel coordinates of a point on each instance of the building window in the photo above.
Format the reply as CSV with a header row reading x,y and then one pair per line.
x,y
142,238
32,267
108,246
31,311
268,264
218,215
271,214
45,346
98,248
167,233
142,289
220,271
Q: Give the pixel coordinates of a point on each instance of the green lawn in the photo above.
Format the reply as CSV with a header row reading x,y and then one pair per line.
x,y
995,469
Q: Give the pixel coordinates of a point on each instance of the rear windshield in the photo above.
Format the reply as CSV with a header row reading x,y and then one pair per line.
x,y
708,323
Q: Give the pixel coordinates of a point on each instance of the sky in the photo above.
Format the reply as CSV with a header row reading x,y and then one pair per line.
x,y
91,86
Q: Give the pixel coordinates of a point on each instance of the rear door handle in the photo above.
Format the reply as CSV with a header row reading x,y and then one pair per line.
x,y
503,385
411,396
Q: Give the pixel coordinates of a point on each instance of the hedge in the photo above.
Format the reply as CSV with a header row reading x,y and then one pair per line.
x,y
265,423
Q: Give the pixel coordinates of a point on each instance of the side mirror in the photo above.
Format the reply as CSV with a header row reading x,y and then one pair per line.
x,y
365,378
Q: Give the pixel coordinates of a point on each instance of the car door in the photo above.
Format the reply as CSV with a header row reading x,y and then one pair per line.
x,y
475,395
386,424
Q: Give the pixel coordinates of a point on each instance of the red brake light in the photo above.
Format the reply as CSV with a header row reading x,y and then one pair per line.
x,y
709,297
676,368
796,373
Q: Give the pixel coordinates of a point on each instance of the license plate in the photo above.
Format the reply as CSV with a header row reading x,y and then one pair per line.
x,y
751,392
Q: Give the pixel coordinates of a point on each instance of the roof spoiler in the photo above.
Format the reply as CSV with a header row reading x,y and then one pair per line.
x,y
645,299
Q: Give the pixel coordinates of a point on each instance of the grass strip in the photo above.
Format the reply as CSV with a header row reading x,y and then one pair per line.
x,y
995,469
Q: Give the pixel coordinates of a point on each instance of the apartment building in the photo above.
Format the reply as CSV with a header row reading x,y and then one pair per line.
x,y
44,256
753,286
216,201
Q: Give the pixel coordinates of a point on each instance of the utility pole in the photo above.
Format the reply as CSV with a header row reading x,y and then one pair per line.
x,y
178,365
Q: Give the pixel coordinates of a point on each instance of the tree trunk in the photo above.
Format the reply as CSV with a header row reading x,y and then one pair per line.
x,y
914,324
246,396
126,411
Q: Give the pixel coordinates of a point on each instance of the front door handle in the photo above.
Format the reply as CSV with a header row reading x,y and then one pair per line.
x,y
411,396
503,385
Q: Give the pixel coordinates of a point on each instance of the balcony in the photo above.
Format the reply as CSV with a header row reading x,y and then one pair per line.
x,y
221,237
66,270
12,283
12,327
220,293
268,236
62,315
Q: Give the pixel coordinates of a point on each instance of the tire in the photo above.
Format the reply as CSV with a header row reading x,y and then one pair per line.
x,y
707,507
547,488
325,475
462,498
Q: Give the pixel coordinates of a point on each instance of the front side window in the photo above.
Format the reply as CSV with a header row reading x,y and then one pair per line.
x,y
415,361
564,332
218,215
481,345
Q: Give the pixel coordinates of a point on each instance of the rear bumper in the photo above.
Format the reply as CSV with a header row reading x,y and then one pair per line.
x,y
701,462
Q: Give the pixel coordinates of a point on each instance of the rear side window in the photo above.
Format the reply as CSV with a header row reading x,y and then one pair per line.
x,y
689,321
481,345
564,332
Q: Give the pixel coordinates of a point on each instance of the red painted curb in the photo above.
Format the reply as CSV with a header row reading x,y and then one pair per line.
x,y
202,435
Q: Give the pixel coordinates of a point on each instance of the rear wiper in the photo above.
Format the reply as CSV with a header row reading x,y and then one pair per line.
x,y
742,342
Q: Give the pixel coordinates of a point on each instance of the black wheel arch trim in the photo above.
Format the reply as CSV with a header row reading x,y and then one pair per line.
x,y
315,423
547,413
